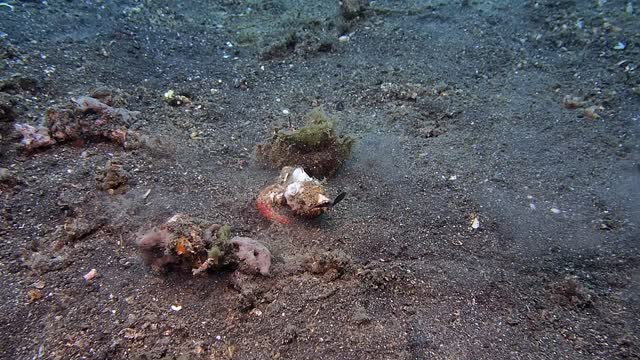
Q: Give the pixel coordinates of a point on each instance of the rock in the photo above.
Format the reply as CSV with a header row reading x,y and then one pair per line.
x,y
253,255
112,176
352,9
18,83
34,137
198,246
315,147
43,263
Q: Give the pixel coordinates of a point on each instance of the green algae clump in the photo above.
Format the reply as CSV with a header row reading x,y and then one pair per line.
x,y
316,147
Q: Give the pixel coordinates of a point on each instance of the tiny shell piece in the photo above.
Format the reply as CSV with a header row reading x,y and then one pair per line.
x,y
91,275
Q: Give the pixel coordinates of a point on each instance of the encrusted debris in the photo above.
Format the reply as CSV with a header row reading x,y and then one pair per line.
x,y
112,176
330,264
34,137
90,275
197,245
295,193
315,147
89,119
175,99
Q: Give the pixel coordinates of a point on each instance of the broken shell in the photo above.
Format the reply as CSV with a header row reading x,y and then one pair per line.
x,y
475,222
90,275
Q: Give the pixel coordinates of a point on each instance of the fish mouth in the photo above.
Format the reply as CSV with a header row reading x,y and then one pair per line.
x,y
327,203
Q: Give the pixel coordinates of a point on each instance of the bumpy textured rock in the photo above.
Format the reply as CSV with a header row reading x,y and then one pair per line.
x,y
197,245
315,147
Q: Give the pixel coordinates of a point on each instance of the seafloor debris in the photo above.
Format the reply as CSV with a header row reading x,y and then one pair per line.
x,y
34,137
252,254
112,176
90,275
174,99
330,264
88,118
7,111
197,245
9,179
301,43
351,9
316,147
296,190
590,111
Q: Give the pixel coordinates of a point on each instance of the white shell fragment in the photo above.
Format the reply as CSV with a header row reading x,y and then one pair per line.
x,y
176,307
475,222
90,275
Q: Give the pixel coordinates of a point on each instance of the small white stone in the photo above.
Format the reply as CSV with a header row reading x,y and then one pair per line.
x,y
90,275
475,223
620,46
285,111
343,38
555,210
176,307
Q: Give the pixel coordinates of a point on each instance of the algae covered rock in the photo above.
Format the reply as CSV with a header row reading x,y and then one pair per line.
x,y
194,244
316,147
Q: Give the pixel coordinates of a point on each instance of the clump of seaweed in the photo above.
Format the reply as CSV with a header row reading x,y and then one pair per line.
x,y
316,147
196,245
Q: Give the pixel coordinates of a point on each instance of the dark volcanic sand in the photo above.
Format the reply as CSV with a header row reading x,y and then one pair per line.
x,y
457,110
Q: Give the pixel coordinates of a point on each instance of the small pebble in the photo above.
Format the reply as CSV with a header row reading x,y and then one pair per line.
x,y
343,38
90,275
475,223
